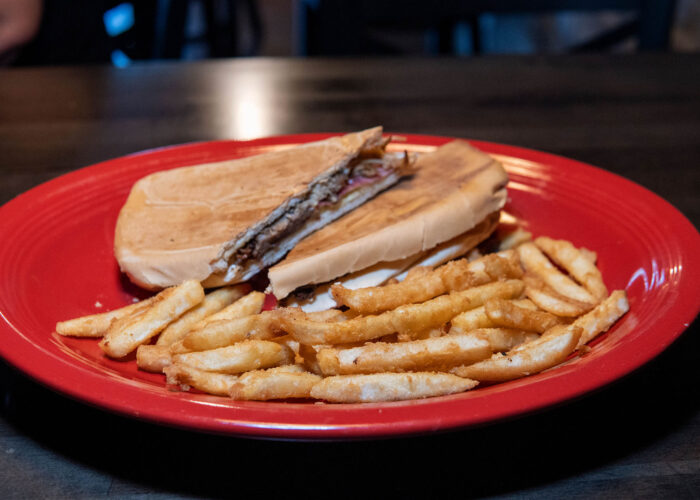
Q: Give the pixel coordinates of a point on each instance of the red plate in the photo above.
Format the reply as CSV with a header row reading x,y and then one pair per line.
x,y
56,263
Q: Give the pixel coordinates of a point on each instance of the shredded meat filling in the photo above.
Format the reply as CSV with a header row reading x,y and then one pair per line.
x,y
302,209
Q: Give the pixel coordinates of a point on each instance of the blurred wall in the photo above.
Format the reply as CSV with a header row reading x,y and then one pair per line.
x,y
84,32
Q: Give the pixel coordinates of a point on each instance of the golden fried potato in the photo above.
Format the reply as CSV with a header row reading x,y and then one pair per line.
x,y
96,325
331,315
577,263
471,320
417,273
247,305
225,332
477,318
503,339
153,358
381,387
514,239
454,276
506,314
412,318
603,316
170,304
178,348
549,300
218,384
433,354
308,354
284,382
213,302
430,333
536,263
525,359
589,254
240,357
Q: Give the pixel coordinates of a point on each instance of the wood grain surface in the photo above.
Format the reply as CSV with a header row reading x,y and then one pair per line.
x,y
635,115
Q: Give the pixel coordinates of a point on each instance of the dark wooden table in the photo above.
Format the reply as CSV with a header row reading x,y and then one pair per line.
x,y
638,116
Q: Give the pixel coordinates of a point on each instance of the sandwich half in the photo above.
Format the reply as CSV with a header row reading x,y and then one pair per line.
x,y
449,206
222,223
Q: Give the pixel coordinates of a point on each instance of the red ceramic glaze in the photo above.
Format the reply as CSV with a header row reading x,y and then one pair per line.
x,y
56,263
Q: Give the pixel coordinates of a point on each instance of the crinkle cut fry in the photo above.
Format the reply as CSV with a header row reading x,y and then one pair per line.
x,y
440,353
240,357
453,276
409,318
170,304
533,357
247,305
506,314
213,302
381,387
603,316
225,332
96,325
577,263
535,262
548,299
284,382
477,318
187,376
153,357
504,339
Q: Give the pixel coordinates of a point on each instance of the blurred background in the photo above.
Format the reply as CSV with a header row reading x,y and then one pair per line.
x,y
56,32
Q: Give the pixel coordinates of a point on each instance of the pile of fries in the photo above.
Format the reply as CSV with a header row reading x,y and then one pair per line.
x,y
485,318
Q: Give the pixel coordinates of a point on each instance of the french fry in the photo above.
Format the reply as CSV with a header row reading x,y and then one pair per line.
x,y
410,319
497,266
289,341
247,305
504,339
433,354
380,387
417,273
284,382
178,348
430,333
506,314
153,358
186,376
603,316
453,276
589,254
225,332
213,302
439,331
578,264
308,354
549,300
477,318
240,357
170,304
471,320
331,315
514,239
536,263
525,359
96,325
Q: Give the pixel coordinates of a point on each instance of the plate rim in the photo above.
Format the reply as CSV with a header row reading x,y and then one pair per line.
x,y
300,430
